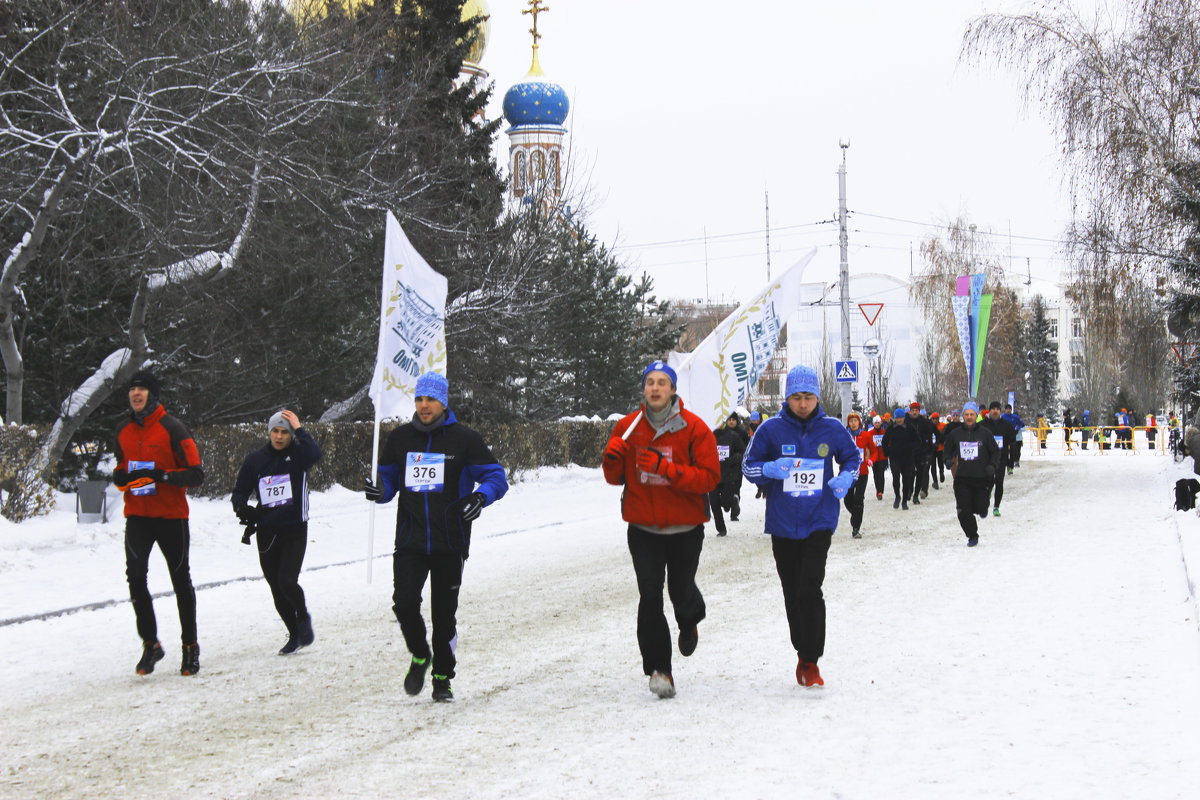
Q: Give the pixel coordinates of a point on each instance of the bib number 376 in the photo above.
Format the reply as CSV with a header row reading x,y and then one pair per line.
x,y
424,472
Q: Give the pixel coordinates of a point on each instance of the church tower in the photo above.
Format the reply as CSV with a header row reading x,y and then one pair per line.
x,y
535,110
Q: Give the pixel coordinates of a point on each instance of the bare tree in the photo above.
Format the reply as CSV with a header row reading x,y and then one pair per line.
x,y
961,252
1121,85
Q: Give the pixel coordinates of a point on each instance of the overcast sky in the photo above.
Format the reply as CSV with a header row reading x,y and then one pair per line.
x,y
684,114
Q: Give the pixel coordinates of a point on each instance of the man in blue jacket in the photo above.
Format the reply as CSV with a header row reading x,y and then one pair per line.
x,y
444,476
791,457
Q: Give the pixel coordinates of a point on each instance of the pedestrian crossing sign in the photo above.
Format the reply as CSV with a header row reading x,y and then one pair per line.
x,y
847,371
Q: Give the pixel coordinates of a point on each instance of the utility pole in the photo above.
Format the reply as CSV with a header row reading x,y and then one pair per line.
x,y
844,243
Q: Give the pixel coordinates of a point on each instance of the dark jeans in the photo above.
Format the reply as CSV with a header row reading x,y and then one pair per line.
x,y
999,485
675,556
801,567
922,478
854,501
938,468
971,496
173,539
409,571
281,554
723,498
879,468
907,472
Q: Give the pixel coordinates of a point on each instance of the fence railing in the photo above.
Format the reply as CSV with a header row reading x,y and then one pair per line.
x,y
1098,439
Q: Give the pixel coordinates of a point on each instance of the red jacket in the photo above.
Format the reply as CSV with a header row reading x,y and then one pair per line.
x,y
653,501
865,441
876,444
163,441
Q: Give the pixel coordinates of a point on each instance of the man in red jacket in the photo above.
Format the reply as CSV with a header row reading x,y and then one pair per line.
x,y
157,460
666,458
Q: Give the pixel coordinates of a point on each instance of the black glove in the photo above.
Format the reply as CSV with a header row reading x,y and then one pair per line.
x,y
246,534
372,492
470,506
247,514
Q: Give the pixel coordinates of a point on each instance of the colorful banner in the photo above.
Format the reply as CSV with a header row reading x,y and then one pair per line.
x,y
972,313
412,325
719,374
985,316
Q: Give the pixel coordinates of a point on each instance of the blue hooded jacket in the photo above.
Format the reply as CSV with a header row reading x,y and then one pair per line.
x,y
795,516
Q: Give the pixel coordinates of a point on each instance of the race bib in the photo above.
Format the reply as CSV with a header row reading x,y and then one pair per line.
x,y
999,441
878,437
652,479
805,478
862,454
968,451
275,490
148,489
722,451
424,472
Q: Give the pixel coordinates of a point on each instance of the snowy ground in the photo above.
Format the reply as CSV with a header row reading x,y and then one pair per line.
x,y
1059,659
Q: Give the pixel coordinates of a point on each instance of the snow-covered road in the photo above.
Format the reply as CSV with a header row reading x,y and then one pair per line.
x,y
1060,658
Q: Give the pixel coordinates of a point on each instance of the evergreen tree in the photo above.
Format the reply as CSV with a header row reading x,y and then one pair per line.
x,y
1041,360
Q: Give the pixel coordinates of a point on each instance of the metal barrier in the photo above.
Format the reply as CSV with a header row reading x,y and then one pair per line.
x,y
1102,439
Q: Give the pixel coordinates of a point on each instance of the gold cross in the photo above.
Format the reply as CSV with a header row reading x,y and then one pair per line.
x,y
535,8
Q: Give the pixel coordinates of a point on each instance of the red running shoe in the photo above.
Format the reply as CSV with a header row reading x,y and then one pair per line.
x,y
808,675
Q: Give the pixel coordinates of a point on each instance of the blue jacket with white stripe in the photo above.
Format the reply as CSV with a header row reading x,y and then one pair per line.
x,y
794,515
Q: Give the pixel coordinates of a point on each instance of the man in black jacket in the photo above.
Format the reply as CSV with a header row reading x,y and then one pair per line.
x,y
927,434
1005,436
974,459
731,446
444,476
900,445
277,475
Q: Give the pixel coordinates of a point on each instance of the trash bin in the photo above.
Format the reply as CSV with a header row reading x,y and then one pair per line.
x,y
91,502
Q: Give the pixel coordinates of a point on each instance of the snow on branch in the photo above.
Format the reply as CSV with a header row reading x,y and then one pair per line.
x,y
98,382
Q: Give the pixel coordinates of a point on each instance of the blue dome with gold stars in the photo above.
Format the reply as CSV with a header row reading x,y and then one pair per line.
x,y
536,101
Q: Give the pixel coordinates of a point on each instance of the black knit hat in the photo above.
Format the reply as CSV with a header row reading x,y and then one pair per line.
x,y
146,380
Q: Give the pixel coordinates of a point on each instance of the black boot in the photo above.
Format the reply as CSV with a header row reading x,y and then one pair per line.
x,y
191,660
304,631
152,653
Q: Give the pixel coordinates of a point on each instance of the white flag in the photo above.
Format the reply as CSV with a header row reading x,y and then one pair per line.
x,y
718,375
412,325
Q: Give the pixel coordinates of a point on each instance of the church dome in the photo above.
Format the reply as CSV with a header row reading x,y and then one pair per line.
x,y
307,11
535,100
478,8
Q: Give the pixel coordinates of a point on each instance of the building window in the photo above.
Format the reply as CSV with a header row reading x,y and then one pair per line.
x,y
1076,368
1053,328
518,171
1076,327
537,166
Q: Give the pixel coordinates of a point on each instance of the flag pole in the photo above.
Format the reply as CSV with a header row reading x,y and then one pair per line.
x,y
374,477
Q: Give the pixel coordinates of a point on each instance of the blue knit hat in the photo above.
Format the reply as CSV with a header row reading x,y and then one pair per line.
x,y
802,379
971,405
433,384
663,367
898,413
755,416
